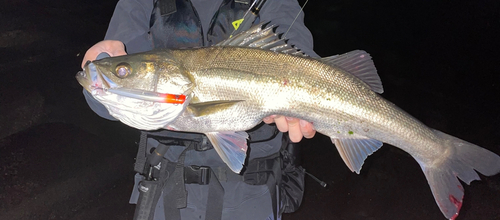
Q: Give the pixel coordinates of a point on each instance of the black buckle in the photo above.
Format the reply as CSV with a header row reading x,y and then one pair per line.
x,y
197,174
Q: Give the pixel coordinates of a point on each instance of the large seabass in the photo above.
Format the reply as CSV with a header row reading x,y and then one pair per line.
x,y
223,90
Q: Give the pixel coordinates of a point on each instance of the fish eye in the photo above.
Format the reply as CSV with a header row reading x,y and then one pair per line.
x,y
123,70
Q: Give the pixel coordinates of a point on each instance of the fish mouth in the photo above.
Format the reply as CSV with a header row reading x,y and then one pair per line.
x,y
92,80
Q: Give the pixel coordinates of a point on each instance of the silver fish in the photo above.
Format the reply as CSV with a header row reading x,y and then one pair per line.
x,y
226,89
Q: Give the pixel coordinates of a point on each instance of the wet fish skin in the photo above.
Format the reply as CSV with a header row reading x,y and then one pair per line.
x,y
233,88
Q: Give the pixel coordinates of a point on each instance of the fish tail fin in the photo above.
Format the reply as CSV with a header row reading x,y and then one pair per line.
x,y
463,160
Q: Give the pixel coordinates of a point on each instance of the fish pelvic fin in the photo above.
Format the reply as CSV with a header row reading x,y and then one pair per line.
x,y
462,160
360,64
231,147
355,150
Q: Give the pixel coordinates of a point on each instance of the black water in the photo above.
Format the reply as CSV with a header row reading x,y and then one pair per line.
x,y
438,60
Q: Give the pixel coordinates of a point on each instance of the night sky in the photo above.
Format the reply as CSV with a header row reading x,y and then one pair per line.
x,y
438,60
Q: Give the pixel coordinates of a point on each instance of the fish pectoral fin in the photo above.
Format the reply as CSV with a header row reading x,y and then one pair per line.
x,y
360,64
355,150
231,147
207,108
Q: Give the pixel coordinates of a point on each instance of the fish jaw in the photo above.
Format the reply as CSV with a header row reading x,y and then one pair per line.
x,y
93,81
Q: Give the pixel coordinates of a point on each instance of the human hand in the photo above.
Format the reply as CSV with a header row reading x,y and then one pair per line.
x,y
297,128
112,47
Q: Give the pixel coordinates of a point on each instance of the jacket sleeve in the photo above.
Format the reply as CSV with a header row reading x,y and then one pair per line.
x,y
283,13
130,25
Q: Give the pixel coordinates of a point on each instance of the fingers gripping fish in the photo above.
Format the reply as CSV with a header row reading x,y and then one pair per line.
x,y
226,89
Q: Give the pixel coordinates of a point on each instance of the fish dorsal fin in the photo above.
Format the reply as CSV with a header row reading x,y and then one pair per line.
x,y
206,108
231,147
355,150
262,36
360,64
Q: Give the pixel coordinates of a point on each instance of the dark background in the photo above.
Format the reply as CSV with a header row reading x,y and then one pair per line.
x,y
438,60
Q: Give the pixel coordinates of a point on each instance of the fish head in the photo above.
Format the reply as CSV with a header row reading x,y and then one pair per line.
x,y
152,72
146,91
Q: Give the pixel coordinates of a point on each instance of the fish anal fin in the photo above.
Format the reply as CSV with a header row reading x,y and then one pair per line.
x,y
360,64
231,147
207,108
355,150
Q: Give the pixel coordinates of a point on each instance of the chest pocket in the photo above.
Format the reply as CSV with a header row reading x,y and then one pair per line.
x,y
176,24
227,18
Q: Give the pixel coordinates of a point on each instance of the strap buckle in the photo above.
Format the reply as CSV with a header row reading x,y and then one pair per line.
x,y
197,175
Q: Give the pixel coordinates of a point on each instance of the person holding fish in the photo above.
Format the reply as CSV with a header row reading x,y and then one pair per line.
x,y
242,168
180,175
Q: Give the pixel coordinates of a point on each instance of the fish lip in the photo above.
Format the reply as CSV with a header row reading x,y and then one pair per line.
x,y
83,80
92,80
